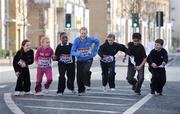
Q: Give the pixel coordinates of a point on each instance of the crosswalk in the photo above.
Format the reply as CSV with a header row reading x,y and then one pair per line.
x,y
94,102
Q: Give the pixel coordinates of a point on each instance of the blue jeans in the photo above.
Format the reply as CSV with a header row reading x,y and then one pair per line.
x,y
131,77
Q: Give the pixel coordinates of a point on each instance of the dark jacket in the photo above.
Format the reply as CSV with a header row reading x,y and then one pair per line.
x,y
27,57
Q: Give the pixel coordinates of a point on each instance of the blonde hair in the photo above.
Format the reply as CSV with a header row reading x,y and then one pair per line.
x,y
44,38
84,29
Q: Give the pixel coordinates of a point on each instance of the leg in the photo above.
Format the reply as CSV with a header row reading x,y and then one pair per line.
x,y
62,79
162,80
104,69
27,82
70,76
130,76
111,75
140,79
80,77
87,72
40,73
19,83
48,72
152,84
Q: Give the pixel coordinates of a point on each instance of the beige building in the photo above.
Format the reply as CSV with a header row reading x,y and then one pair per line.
x,y
99,18
121,16
13,23
46,18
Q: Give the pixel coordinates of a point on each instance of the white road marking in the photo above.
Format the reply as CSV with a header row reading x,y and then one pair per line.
x,y
70,101
75,109
3,86
136,106
11,105
94,97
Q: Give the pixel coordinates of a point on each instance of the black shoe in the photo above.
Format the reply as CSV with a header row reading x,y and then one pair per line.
x,y
134,87
138,93
152,92
160,94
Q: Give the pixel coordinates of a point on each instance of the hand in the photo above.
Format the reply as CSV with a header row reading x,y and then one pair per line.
x,y
54,57
124,59
154,65
163,63
137,67
23,64
17,74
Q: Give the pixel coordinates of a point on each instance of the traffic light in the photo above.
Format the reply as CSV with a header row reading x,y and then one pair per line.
x,y
159,18
68,20
135,20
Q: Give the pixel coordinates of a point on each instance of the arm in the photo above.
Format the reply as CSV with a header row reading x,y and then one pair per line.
x,y
96,46
100,51
16,58
74,50
165,58
31,59
36,56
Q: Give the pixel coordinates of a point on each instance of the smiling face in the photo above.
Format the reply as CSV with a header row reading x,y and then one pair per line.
x,y
136,42
157,46
45,42
83,34
110,40
27,46
64,39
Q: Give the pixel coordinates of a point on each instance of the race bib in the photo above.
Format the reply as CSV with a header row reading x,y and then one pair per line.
x,y
85,51
108,59
44,62
66,58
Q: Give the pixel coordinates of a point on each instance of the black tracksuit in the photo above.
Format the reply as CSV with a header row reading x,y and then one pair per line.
x,y
66,64
158,79
108,68
23,81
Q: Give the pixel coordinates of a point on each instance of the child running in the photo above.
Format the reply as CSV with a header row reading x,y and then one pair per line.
x,y
107,52
66,64
23,58
136,62
43,59
157,60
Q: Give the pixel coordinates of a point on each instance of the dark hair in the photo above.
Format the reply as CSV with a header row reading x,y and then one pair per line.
x,y
23,44
111,36
61,34
159,41
136,36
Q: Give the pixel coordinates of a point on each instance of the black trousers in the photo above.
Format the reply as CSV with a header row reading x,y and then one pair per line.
x,y
83,74
158,79
23,81
108,74
69,70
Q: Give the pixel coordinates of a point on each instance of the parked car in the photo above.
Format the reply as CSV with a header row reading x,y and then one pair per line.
x,y
178,48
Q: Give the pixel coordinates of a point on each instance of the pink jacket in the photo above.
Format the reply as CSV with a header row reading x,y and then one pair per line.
x,y
43,56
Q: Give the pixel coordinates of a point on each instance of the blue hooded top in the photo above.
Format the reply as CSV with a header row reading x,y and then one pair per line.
x,y
85,49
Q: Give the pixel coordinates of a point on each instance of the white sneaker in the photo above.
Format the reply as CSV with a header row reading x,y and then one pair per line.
x,y
28,93
45,91
113,89
104,89
59,94
88,88
73,92
82,94
22,93
17,93
39,93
